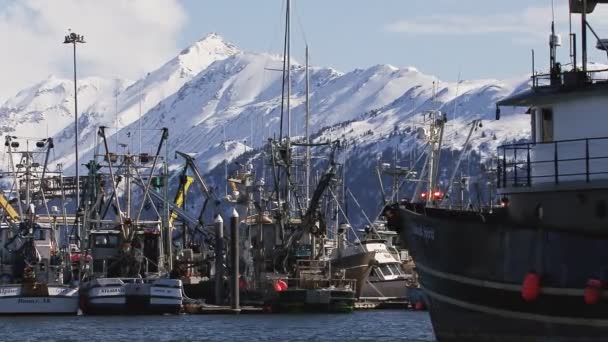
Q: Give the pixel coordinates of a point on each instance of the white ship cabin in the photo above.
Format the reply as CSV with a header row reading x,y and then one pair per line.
x,y
569,140
387,267
569,125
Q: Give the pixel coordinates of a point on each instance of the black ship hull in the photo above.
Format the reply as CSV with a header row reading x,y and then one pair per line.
x,y
472,267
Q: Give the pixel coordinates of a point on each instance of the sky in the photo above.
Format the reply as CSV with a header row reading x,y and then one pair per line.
x,y
451,39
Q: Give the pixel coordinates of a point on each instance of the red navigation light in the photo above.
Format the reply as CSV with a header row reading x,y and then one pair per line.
x,y
423,195
437,194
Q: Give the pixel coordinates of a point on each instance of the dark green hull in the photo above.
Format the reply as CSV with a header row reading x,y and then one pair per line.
x,y
314,301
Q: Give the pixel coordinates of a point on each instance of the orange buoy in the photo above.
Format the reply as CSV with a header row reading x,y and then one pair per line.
x,y
530,289
593,291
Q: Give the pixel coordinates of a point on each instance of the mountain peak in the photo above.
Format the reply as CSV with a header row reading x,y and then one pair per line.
x,y
205,51
211,44
211,36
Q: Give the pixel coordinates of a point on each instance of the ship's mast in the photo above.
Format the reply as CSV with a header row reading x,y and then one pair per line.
x,y
288,47
584,35
307,131
288,63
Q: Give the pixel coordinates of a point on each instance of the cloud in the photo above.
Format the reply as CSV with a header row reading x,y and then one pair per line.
x,y
125,38
529,24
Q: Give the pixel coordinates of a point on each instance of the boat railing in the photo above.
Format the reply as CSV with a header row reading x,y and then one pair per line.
x,y
527,164
569,78
317,283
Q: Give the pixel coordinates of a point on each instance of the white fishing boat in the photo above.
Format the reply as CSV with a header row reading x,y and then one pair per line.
x,y
127,272
31,262
38,299
132,295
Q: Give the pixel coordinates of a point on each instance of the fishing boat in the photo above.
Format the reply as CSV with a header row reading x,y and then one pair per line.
x,y
285,224
128,271
356,259
32,266
531,267
314,289
388,278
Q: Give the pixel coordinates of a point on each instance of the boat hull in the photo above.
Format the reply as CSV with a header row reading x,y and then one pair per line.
x,y
357,267
314,301
59,300
397,288
119,298
471,268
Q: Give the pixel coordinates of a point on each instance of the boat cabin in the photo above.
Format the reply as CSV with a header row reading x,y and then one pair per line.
x,y
564,166
106,245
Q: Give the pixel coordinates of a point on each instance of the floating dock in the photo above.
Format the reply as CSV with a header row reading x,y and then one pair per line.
x,y
206,309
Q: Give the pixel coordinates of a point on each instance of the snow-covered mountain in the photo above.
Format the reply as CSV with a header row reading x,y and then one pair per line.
x,y
47,107
128,105
219,102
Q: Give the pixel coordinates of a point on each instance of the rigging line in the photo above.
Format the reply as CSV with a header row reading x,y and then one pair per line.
x,y
298,19
457,92
284,74
405,179
346,218
570,37
359,206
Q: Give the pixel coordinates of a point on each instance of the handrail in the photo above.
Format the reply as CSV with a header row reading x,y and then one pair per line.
x,y
548,77
518,170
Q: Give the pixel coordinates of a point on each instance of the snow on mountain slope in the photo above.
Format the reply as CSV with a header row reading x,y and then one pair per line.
x,y
47,107
462,102
212,96
124,106
238,98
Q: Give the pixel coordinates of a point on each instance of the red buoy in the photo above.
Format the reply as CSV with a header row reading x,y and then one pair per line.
x,y
276,286
75,258
593,291
419,305
280,285
530,289
243,284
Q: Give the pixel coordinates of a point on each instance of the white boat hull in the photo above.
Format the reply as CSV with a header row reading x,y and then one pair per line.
x,y
113,296
61,300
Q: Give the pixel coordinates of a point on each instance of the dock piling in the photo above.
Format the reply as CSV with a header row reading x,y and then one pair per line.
x,y
219,259
234,251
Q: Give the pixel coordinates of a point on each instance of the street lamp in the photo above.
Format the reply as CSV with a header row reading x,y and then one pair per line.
x,y
74,39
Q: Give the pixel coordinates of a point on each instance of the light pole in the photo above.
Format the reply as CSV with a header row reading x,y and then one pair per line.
x,y
74,39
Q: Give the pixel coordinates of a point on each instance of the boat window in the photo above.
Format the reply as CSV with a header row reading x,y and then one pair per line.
x,y
533,124
376,273
547,124
40,234
395,269
106,241
386,270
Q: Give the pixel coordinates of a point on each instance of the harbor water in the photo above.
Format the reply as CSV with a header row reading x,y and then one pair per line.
x,y
372,325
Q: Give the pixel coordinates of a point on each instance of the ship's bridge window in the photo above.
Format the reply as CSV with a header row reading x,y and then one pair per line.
x,y
386,271
40,234
542,124
395,269
106,241
547,125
